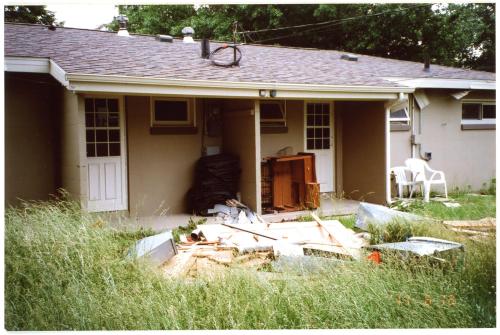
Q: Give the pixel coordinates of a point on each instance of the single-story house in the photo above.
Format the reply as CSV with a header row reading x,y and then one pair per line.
x,y
120,121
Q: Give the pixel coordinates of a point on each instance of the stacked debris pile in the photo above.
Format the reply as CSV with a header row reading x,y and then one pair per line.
x,y
216,180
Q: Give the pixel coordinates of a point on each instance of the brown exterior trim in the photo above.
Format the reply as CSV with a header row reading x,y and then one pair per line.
x,y
400,127
173,130
479,126
274,130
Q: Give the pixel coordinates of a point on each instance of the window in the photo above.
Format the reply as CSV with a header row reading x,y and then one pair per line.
x,y
318,126
272,114
102,127
400,116
171,112
478,115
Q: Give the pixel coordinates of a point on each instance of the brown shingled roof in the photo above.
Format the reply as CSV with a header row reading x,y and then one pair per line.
x,y
103,53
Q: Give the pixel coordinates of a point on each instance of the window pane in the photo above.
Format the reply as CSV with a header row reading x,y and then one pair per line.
x,y
101,135
100,106
89,120
102,149
326,143
310,132
90,135
310,109
326,109
91,150
326,120
101,120
489,112
113,105
310,120
171,110
318,143
318,132
113,120
271,111
318,120
310,144
89,105
114,135
326,132
471,111
400,113
114,149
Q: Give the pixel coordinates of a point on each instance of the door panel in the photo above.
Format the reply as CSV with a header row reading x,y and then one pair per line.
x,y
318,140
106,182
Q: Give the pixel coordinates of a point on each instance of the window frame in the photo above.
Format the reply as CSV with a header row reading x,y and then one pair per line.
x,y
272,123
481,120
400,119
157,123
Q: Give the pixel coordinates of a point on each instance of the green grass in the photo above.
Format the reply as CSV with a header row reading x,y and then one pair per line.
x,y
473,207
66,270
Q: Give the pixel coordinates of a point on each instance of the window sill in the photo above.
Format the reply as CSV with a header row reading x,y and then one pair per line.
x,y
173,130
274,130
479,126
400,127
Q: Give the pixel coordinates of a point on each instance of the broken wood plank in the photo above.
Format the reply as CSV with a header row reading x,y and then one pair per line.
x,y
341,235
250,231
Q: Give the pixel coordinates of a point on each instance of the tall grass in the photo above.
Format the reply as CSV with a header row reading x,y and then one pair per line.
x,y
66,270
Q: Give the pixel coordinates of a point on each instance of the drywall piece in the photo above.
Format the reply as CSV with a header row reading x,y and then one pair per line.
x,y
380,215
451,204
285,248
157,248
422,246
483,223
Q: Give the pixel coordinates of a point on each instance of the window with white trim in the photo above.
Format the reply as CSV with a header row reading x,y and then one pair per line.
x,y
478,113
167,112
400,117
272,114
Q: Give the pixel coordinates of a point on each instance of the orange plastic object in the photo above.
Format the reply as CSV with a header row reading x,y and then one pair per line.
x,y
375,257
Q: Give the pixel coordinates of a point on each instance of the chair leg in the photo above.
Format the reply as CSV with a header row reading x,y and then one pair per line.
x,y
400,191
427,192
445,191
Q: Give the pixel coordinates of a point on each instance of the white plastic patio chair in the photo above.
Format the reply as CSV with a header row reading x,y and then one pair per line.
x,y
419,170
400,173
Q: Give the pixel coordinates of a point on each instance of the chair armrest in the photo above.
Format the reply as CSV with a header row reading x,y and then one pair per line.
x,y
437,173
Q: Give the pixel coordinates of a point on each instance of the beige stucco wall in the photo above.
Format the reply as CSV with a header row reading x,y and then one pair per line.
x,y
467,157
361,150
400,147
31,136
272,143
160,167
241,138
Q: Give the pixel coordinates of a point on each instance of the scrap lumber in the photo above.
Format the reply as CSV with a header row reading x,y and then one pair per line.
x,y
342,235
250,231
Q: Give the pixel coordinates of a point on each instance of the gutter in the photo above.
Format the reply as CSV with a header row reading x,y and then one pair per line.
x,y
462,84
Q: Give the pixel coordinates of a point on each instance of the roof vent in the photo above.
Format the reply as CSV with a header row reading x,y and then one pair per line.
x,y
188,33
427,63
349,57
165,38
122,22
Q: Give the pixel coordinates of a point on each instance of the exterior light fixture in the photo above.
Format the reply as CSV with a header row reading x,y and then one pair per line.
x,y
272,93
262,93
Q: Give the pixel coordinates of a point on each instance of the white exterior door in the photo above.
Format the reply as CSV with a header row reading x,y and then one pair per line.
x,y
106,178
318,125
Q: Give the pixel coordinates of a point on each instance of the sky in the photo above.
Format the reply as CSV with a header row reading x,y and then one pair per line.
x,y
88,16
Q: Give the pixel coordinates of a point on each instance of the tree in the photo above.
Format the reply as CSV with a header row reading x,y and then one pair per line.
x,y
455,34
29,14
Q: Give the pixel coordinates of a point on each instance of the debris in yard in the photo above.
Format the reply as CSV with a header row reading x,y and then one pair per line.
x,y
451,204
421,246
234,212
226,244
476,228
380,215
157,248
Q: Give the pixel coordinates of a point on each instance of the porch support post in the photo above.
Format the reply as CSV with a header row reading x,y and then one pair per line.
x,y
388,155
258,196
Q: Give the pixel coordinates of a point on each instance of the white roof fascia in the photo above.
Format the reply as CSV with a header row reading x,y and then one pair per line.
x,y
58,73
463,84
26,64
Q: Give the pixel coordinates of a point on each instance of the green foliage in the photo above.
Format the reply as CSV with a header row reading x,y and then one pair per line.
x,y
63,270
29,14
491,188
460,35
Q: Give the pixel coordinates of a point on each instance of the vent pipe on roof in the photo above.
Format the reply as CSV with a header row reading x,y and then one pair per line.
x,y
188,33
427,63
205,48
122,22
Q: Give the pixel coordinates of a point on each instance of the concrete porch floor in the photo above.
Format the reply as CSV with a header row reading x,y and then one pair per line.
x,y
329,207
